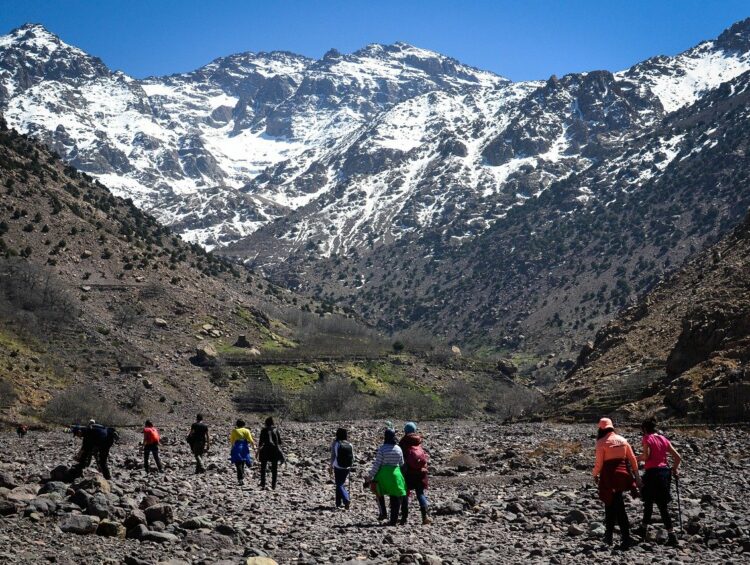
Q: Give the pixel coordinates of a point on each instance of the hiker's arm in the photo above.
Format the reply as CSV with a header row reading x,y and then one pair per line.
x,y
376,464
646,453
630,454
676,458
599,462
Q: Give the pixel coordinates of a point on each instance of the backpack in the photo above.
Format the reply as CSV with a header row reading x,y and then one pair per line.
x,y
345,454
416,459
112,437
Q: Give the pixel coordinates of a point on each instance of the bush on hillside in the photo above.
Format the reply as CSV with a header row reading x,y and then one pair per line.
x,y
79,405
8,394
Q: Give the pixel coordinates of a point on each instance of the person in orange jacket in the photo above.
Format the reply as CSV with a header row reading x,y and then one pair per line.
x,y
151,441
615,472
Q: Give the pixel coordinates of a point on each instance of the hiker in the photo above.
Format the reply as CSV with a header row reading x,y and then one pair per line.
x,y
199,442
22,430
414,470
387,476
151,441
615,471
241,439
342,460
269,451
657,478
97,441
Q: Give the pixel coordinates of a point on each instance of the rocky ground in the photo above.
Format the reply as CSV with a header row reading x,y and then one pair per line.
x,y
512,494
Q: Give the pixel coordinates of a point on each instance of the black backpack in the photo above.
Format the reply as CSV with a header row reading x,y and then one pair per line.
x,y
345,455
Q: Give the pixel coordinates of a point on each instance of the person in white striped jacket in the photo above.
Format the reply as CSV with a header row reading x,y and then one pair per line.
x,y
386,474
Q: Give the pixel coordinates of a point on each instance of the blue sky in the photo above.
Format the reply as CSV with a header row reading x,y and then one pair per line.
x,y
525,39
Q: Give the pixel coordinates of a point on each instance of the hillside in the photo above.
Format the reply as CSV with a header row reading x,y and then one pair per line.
x,y
420,194
682,351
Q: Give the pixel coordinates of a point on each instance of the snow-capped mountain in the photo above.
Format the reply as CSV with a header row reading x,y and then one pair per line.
x,y
362,175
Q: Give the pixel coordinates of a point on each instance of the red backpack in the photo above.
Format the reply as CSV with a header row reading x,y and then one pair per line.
x,y
416,459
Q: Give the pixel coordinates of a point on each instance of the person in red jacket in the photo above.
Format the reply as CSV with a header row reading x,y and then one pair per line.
x,y
415,470
151,441
615,471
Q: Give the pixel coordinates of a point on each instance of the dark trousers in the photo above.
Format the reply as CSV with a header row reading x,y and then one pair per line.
x,y
241,471
656,485
151,450
615,513
102,456
421,498
198,452
274,471
397,504
342,496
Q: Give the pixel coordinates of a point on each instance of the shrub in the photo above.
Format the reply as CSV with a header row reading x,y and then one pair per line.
x,y
79,405
8,394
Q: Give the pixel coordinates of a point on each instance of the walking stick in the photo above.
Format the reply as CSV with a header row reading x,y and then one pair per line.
x,y
679,502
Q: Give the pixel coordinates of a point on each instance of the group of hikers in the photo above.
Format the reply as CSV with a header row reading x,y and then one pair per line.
x,y
401,467
616,472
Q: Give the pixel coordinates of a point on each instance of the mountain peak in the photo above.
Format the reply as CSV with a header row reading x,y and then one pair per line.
x,y
736,37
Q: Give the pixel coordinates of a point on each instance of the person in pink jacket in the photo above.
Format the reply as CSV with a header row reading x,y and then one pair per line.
x,y
615,472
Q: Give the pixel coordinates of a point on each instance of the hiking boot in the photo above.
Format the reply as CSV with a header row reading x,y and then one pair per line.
x,y
382,517
608,538
672,540
346,505
626,544
426,520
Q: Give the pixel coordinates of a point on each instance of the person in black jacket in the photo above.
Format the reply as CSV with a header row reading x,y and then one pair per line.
x,y
97,441
269,451
199,442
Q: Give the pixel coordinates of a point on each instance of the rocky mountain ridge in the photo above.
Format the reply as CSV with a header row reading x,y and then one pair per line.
x,y
378,179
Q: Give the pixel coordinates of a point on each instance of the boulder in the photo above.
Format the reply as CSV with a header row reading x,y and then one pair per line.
x,y
242,341
22,493
135,518
61,473
456,351
160,537
160,513
160,323
196,523
138,532
260,561
7,481
79,524
7,508
110,529
148,501
97,483
54,486
206,354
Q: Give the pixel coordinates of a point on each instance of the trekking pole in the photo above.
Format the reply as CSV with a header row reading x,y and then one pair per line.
x,y
679,502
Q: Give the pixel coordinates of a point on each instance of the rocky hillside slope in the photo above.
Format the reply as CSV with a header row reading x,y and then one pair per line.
x,y
683,350
95,292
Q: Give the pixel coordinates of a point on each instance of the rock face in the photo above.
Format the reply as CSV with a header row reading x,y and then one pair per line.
x,y
683,350
527,497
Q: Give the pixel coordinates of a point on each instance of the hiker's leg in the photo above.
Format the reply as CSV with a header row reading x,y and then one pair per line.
x,y
664,511
421,498
395,502
381,507
103,463
157,459
609,522
342,496
274,473
263,465
146,451
622,517
404,509
240,466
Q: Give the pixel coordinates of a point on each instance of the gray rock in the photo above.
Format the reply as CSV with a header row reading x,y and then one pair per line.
x,y
160,513
575,517
110,529
135,518
138,532
196,523
54,486
79,524
7,508
160,537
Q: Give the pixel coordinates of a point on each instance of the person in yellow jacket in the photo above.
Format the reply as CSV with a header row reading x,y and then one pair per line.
x,y
240,441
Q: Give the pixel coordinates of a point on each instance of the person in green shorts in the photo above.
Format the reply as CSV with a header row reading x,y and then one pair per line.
x,y
386,474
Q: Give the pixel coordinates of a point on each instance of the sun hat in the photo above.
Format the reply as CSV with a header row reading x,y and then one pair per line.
x,y
410,428
606,424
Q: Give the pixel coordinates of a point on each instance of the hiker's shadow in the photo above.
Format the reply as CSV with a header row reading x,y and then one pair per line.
x,y
319,508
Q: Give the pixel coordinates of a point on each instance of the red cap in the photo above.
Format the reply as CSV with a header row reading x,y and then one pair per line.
x,y
605,424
